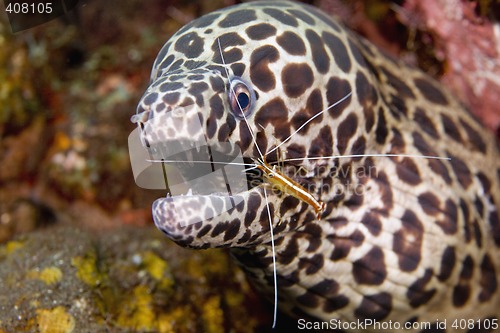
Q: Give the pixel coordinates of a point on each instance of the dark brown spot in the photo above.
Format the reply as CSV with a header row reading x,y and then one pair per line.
x,y
177,65
370,269
399,86
322,144
253,205
260,31
314,105
385,191
342,246
425,123
358,148
308,299
461,170
407,242
475,138
171,86
238,69
150,98
356,53
302,16
371,221
289,253
437,166
450,128
495,226
369,118
328,289
166,62
216,107
488,281
478,204
462,290
190,44
319,56
485,182
312,265
417,293
219,229
238,17
376,307
262,77
381,131
448,261
367,94
211,125
273,112
338,51
336,89
196,90
233,56
172,98
408,172
430,91
226,41
397,144
398,107
232,230
289,204
430,203
224,132
296,78
478,236
282,131
291,43
204,230
205,20
217,84
313,233
464,208
282,16
450,218
245,238
346,130
354,202
335,303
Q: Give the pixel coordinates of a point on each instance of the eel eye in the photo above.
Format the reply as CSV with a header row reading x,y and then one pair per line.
x,y
241,98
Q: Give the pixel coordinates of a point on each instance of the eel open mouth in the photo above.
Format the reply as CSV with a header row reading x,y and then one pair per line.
x,y
201,181
208,170
208,196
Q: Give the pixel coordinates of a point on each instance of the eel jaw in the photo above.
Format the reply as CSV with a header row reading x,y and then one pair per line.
x,y
192,220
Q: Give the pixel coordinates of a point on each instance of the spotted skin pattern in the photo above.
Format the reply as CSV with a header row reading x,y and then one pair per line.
x,y
401,239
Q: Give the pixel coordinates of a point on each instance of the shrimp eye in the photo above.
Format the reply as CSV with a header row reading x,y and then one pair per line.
x,y
241,98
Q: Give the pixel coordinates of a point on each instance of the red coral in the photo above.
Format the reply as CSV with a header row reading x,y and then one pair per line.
x,y
470,47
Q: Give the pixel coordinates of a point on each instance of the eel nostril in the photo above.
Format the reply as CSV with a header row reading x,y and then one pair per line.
x,y
141,117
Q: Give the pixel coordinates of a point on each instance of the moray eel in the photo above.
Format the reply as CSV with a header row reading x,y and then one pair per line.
x,y
401,239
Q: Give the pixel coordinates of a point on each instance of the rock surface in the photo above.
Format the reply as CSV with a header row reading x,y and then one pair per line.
x,y
65,279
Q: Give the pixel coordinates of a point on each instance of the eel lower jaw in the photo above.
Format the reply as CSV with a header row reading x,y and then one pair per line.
x,y
183,218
